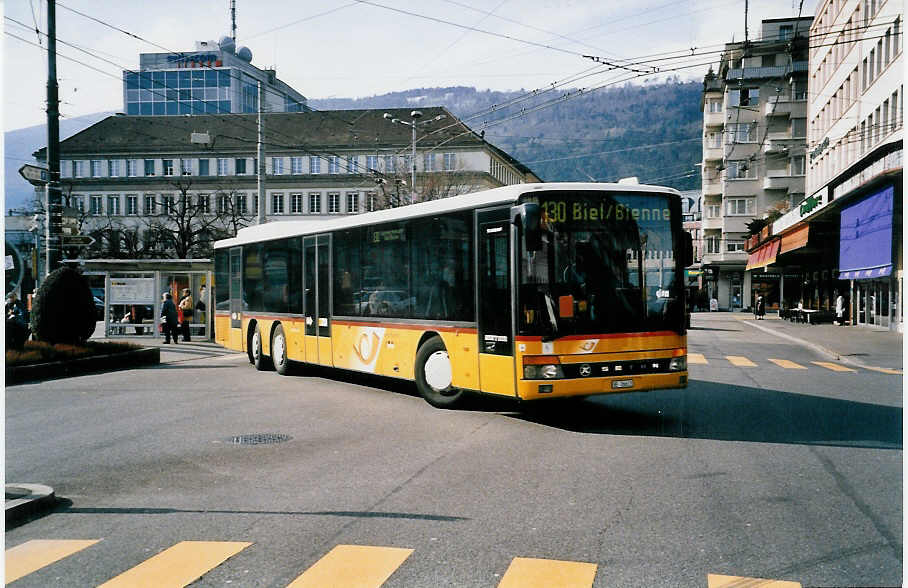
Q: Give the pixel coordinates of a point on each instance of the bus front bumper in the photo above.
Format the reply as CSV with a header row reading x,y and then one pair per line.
x,y
591,386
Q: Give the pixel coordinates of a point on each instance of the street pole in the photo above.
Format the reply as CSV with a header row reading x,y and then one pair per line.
x,y
53,196
413,165
260,171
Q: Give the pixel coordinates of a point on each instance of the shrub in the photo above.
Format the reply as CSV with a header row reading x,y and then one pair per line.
x,y
63,310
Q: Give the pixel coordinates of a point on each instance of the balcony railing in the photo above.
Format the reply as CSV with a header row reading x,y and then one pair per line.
x,y
777,71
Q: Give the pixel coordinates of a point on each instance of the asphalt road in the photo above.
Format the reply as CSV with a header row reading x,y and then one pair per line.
x,y
764,471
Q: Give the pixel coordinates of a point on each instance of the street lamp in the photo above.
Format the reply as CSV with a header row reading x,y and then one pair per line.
x,y
413,123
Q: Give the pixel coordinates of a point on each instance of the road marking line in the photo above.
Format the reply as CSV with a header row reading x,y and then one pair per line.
x,y
788,364
740,361
180,565
833,366
719,581
362,566
525,572
33,555
696,358
884,370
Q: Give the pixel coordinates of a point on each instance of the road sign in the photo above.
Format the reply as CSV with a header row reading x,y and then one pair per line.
x,y
37,176
77,240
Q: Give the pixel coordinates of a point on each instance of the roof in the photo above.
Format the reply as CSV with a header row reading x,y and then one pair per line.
x,y
503,195
284,131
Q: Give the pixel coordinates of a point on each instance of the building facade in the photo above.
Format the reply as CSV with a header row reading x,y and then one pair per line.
x,y
845,238
212,79
754,144
144,189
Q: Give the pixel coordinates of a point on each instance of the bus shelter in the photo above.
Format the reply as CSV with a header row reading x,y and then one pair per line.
x,y
128,293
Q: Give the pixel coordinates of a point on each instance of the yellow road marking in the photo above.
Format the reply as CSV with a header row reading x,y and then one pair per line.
x,y
525,572
740,361
353,565
884,370
833,366
697,358
785,363
180,565
33,555
719,581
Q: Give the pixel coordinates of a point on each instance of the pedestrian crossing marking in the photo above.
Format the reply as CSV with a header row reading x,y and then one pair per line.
x,y
720,581
180,565
696,358
833,366
788,364
33,555
525,572
362,566
740,361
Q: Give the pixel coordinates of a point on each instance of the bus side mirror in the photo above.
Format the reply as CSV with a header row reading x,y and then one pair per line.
x,y
527,216
687,242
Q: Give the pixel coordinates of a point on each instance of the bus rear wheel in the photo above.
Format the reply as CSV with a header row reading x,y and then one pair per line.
x,y
255,350
434,375
279,351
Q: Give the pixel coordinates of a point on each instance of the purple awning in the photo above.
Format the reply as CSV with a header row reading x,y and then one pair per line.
x,y
865,237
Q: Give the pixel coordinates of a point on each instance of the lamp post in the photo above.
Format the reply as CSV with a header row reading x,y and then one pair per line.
x,y
413,123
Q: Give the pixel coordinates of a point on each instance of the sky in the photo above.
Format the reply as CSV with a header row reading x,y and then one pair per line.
x,y
356,48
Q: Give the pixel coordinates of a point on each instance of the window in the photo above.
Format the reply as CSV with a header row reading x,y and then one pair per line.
x,y
167,204
428,161
786,32
132,167
203,167
149,167
408,163
372,162
222,167
151,205
713,210
167,165
186,167
240,166
132,204
315,202
731,246
352,164
277,166
277,203
204,203
334,202
798,127
113,206
740,170
333,164
371,201
352,202
95,206
296,203
240,204
739,207
715,105
712,244
113,168
78,169
95,168
713,139
741,133
449,161
744,97
315,165
390,164
797,165
296,165
78,202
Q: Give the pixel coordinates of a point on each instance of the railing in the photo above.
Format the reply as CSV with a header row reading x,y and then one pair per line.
x,y
777,71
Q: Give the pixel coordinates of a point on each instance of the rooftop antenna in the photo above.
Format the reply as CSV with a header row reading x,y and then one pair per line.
x,y
233,20
746,5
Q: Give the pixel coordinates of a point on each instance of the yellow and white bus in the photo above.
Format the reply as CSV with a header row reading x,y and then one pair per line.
x,y
528,291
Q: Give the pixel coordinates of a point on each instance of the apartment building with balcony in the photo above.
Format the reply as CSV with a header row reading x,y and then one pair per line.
x,y
754,152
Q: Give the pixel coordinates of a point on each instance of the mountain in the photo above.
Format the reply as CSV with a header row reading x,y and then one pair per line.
x,y
651,131
18,147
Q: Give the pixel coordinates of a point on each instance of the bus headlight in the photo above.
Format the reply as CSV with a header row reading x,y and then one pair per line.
x,y
542,372
678,364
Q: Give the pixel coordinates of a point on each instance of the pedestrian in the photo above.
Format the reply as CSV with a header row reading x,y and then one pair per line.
x,y
761,307
186,308
840,310
168,317
201,308
16,323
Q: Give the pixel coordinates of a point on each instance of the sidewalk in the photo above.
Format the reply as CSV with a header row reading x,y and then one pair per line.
x,y
867,347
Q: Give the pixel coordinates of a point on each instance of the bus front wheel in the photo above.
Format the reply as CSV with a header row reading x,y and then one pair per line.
x,y
434,375
279,351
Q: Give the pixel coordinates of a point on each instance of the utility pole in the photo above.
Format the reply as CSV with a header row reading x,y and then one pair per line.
x,y
260,171
54,206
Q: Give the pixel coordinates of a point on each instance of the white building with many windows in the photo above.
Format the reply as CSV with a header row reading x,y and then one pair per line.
x,y
141,174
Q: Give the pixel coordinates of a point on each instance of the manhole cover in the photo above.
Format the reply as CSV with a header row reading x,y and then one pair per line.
x,y
259,439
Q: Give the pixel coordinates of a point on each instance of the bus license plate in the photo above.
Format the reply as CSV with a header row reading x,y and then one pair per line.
x,y
622,383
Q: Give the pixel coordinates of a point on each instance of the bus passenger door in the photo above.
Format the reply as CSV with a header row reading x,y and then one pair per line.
x,y
496,345
316,298
236,339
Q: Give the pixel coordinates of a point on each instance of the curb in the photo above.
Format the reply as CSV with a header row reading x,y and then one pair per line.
x,y
23,500
820,349
84,365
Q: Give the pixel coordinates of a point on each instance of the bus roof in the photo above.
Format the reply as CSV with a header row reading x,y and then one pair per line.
x,y
504,195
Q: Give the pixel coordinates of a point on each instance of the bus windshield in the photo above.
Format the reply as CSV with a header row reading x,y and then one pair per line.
x,y
607,264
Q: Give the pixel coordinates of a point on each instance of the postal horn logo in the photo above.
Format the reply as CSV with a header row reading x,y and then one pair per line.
x,y
366,349
585,369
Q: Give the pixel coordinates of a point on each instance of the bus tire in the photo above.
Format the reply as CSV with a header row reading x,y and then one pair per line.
x,y
279,351
433,375
255,350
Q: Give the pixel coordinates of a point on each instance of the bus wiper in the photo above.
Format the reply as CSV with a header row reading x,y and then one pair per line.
x,y
553,319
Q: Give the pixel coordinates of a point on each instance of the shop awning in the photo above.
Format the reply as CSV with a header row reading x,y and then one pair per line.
x,y
865,237
763,256
794,240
